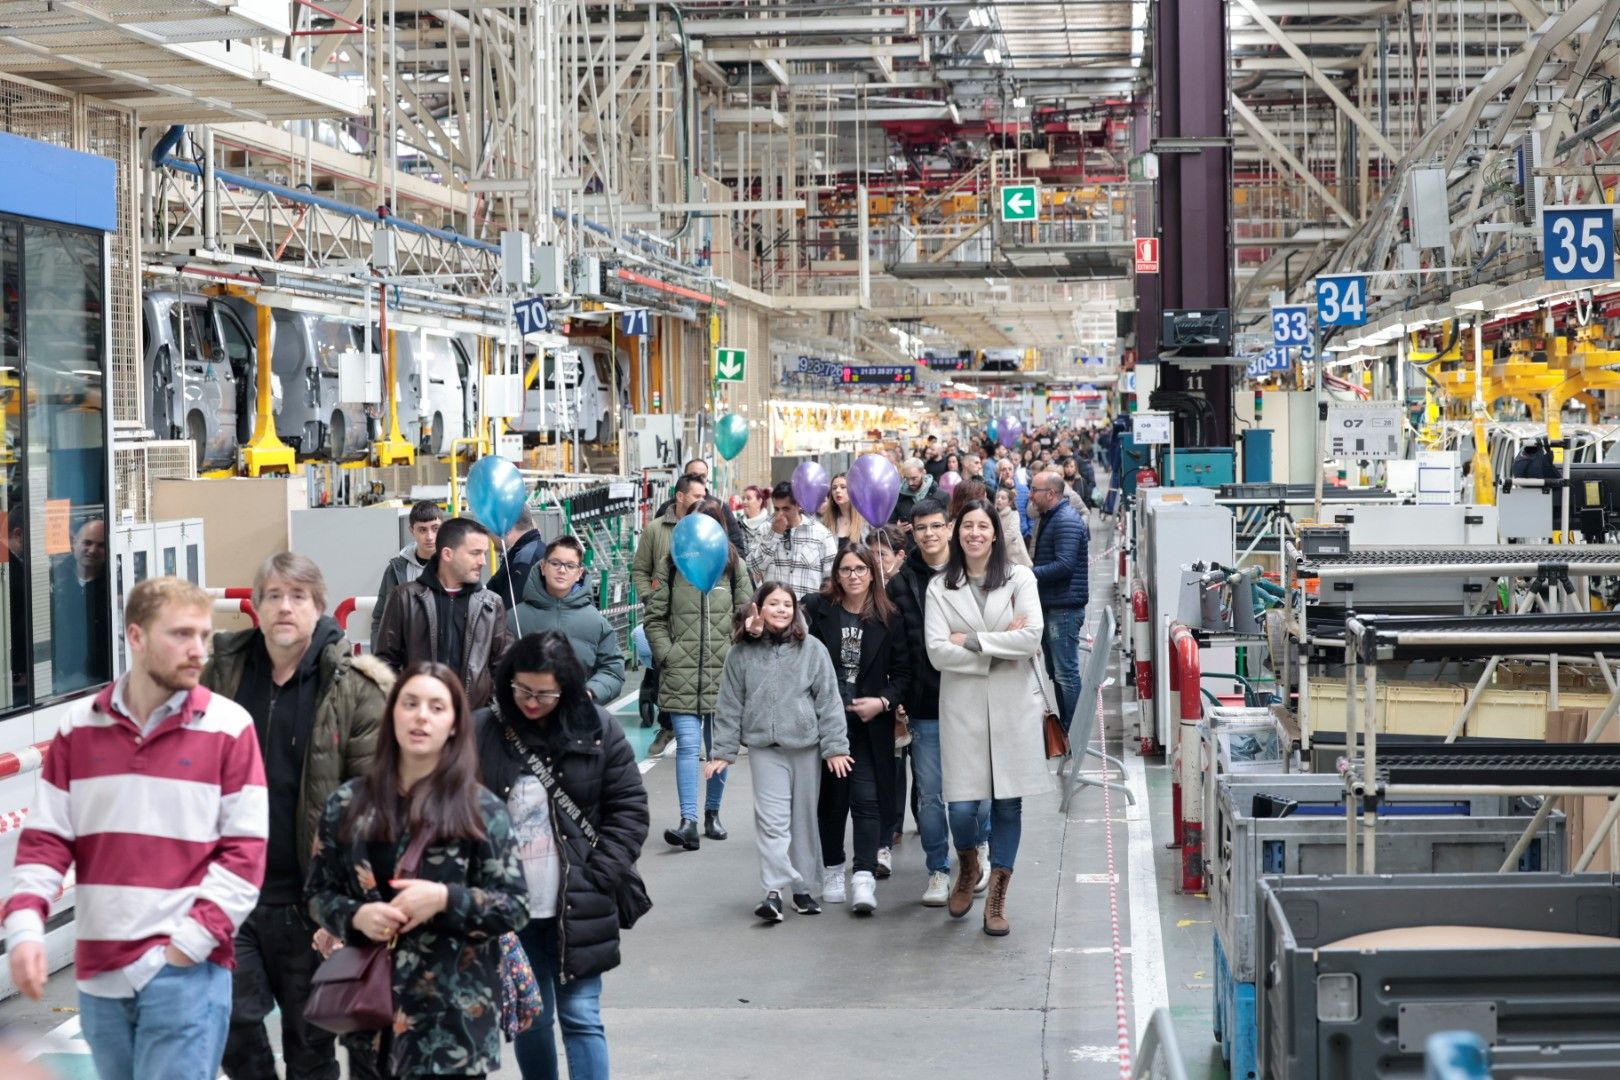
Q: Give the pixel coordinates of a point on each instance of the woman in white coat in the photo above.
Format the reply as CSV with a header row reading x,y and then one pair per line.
x,y
983,632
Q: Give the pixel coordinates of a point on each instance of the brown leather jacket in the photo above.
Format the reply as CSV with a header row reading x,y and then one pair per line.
x,y
410,631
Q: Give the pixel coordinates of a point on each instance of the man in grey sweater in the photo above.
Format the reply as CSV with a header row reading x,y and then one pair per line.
x,y
407,565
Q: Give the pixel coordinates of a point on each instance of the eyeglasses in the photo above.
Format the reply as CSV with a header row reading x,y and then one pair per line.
x,y
566,567
938,526
854,571
523,693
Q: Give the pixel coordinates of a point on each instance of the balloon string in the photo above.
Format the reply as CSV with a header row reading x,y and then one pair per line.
x,y
511,586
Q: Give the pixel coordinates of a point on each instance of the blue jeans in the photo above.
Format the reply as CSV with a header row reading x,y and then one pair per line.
x,y
174,1028
1006,827
576,1005
690,730
933,825
1060,641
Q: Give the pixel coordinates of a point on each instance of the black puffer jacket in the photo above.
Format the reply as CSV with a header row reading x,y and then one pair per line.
x,y
909,591
597,768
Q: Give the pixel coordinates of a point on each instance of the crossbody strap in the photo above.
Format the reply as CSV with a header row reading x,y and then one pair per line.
x,y
549,781
412,862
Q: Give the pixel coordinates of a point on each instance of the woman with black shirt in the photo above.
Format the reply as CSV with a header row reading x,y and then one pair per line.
x,y
444,923
863,632
543,718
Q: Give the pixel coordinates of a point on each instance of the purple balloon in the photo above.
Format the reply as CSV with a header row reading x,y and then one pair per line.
x,y
948,482
1009,431
810,485
874,487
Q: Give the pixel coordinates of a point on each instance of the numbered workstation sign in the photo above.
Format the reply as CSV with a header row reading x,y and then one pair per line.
x,y
1291,326
1577,243
1341,299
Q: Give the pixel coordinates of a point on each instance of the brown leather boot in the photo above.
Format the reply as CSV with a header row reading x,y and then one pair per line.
x,y
967,876
995,904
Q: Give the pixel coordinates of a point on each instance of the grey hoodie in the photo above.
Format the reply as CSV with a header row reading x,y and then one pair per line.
x,y
576,618
781,694
401,568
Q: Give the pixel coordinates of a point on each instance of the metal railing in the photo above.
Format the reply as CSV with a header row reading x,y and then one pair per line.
x,y
1158,1055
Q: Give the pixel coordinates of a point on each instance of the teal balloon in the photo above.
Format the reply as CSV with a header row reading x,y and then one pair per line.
x,y
495,493
730,435
701,550
994,432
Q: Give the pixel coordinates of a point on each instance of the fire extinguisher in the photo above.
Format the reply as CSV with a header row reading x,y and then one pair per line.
x,y
1147,477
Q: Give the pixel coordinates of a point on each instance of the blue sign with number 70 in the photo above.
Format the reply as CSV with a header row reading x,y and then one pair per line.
x,y
1577,243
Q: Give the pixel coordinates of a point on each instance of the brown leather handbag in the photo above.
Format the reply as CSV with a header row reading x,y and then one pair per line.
x,y
1057,740
353,989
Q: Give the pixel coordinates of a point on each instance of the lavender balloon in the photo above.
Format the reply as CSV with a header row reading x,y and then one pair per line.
x,y
1009,431
948,482
874,487
810,484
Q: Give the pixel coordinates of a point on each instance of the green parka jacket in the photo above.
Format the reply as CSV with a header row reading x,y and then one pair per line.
x,y
351,693
690,656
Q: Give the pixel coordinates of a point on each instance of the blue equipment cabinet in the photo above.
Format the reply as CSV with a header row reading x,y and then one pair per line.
x,y
1198,466
1257,456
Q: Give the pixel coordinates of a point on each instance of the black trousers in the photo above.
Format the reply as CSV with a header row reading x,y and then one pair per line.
x,y
274,964
866,794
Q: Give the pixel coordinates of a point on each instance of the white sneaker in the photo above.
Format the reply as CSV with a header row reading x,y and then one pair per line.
x,y
885,862
939,889
863,890
832,885
984,868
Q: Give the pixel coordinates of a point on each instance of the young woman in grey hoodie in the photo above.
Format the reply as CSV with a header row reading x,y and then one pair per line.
x,y
779,697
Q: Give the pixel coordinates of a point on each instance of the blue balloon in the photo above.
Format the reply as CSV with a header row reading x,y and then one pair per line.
x,y
495,493
701,550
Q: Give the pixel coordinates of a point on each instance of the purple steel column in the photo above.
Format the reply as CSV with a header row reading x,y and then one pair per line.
x,y
1189,60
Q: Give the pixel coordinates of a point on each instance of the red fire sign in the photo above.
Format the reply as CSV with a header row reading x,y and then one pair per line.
x,y
1147,254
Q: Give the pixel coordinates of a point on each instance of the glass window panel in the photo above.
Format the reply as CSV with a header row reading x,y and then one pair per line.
x,y
14,555
63,325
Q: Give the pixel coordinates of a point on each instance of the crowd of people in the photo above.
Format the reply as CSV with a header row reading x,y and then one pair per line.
x,y
238,808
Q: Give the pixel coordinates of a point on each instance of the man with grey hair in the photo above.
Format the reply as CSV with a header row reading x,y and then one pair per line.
x,y
915,486
316,707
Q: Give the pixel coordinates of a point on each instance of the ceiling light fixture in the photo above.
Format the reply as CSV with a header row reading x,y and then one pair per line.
x,y
992,55
1019,102
978,17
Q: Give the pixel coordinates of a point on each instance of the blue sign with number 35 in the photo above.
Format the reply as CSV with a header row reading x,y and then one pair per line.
x,y
1341,299
1577,243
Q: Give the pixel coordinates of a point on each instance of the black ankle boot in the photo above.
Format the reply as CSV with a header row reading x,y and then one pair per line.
x,y
711,825
684,837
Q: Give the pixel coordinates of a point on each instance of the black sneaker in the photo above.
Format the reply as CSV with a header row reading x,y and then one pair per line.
x,y
805,904
770,908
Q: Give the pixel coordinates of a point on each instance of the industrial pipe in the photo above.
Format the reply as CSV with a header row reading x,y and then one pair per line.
x,y
1186,678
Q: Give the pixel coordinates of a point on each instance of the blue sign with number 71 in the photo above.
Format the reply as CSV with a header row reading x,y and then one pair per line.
x,y
1577,243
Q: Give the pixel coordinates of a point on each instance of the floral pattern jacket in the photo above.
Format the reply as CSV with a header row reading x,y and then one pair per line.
x,y
447,985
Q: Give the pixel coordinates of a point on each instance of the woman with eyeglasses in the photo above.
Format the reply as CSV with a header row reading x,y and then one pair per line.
x,y
865,636
779,697
690,635
444,921
555,600
544,720
838,513
982,628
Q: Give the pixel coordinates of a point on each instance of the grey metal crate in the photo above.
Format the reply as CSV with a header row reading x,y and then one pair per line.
x,y
1362,1014
1251,847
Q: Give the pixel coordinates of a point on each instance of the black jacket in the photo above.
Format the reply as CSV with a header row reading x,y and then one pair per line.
x,y
909,591
885,669
412,630
509,581
597,768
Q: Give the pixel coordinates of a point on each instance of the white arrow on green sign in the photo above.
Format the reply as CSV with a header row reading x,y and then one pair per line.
x,y
1020,202
729,364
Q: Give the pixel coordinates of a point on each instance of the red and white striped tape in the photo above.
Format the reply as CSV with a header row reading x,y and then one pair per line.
x,y
13,821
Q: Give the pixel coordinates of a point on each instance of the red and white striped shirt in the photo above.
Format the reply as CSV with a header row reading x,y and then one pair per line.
x,y
167,830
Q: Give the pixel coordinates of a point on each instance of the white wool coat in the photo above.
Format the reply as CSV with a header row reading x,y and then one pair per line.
x,y
991,702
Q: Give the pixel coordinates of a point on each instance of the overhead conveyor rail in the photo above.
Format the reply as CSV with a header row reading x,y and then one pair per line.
x,y
1507,560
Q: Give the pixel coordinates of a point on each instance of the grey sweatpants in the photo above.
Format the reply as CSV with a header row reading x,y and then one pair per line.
x,y
786,783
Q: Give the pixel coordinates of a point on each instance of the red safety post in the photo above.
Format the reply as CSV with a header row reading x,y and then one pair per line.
x,y
1186,678
234,606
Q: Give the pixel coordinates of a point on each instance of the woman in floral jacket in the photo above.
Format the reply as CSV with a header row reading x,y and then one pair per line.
x,y
468,890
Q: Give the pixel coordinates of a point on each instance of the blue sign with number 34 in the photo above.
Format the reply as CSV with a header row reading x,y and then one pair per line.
x,y
1577,243
1341,299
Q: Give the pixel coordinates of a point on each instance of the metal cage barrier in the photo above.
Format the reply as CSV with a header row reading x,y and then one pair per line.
x,y
1158,1055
